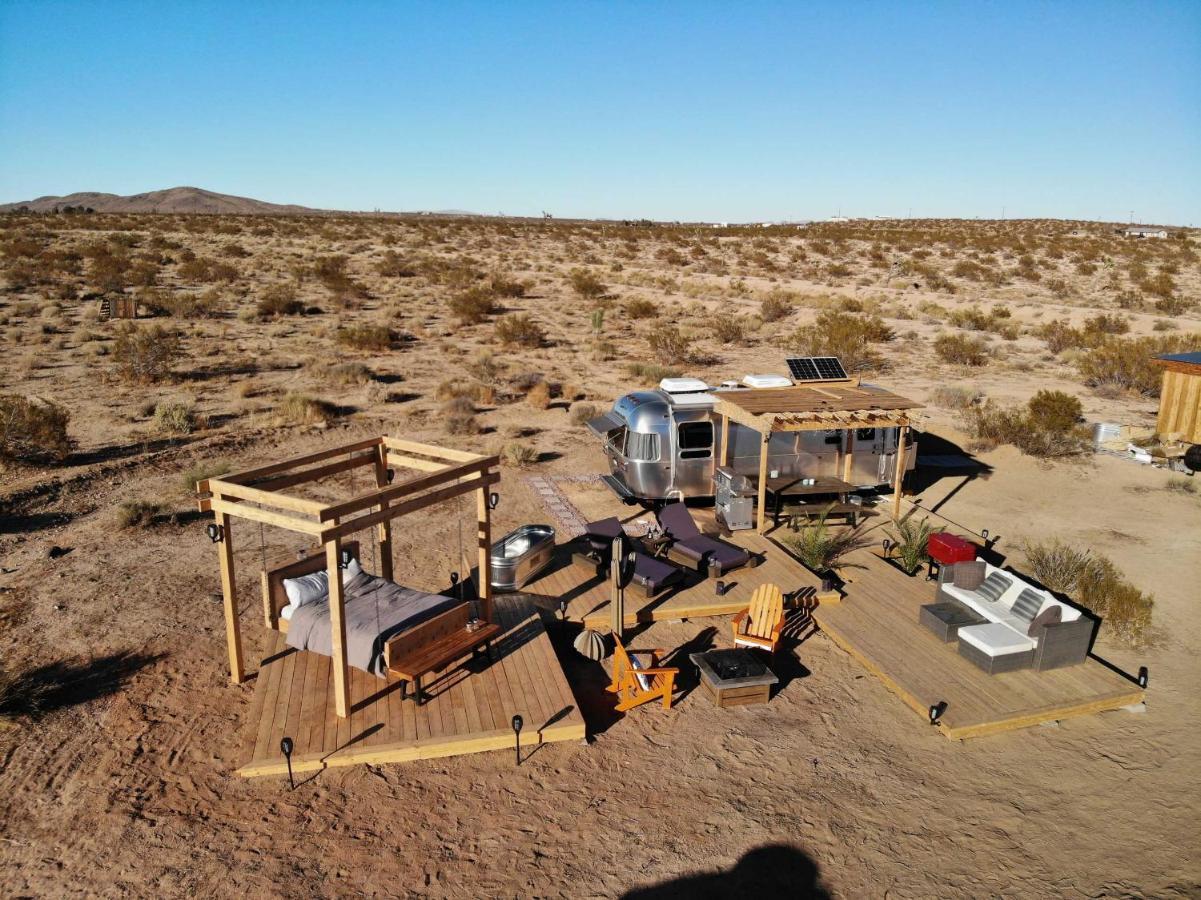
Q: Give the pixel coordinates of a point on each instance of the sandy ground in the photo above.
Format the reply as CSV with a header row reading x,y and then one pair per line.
x,y
124,786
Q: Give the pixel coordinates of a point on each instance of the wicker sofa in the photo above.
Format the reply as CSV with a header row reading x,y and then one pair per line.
x,y
1026,627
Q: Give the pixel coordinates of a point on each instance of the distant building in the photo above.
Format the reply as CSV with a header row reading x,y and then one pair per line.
x,y
1146,232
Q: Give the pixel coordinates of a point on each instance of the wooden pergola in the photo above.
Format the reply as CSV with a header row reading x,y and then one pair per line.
x,y
259,495
828,405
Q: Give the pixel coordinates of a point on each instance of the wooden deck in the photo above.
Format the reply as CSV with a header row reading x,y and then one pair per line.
x,y
877,624
470,710
588,597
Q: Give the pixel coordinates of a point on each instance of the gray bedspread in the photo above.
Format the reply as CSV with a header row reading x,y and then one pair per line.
x,y
376,610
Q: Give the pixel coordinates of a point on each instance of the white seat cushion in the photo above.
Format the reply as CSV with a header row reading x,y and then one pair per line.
x,y
996,639
642,679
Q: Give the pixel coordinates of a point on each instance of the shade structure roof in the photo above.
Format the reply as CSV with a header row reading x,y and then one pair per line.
x,y
1181,362
816,406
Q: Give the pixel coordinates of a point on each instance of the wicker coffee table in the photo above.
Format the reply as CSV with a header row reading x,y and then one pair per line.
x,y
946,618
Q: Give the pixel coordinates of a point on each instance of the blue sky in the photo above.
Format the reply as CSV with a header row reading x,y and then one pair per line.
x,y
723,111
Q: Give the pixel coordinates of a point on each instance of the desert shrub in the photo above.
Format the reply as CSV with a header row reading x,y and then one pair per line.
x,y
539,395
201,471
1181,486
909,541
1128,363
393,265
300,409
1174,306
641,308
347,373
953,396
961,349
583,412
473,305
586,285
140,513
174,417
670,345
504,286
486,368
652,373
1061,336
366,337
279,300
849,336
1047,427
519,330
1095,583
145,354
1106,323
728,329
774,307
822,547
518,455
33,430
458,416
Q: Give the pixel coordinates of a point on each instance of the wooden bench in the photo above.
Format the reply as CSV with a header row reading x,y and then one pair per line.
x,y
433,645
796,512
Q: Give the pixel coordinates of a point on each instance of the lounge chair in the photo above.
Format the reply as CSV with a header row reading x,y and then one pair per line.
x,y
634,683
692,548
760,625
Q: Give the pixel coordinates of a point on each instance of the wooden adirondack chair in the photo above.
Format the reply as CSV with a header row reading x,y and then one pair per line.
x,y
761,624
635,684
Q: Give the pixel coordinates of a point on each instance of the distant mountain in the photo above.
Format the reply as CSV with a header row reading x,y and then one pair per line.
x,y
172,200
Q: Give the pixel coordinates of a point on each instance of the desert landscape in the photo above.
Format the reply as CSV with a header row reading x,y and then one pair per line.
x,y
266,336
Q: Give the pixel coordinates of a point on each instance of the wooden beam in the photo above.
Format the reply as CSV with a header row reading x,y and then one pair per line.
x,y
229,594
337,622
430,450
724,459
899,475
412,462
285,481
406,487
228,489
483,518
298,461
617,596
384,534
396,510
849,459
240,510
764,445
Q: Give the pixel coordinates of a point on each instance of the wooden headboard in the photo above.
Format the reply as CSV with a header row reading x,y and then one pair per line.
x,y
275,597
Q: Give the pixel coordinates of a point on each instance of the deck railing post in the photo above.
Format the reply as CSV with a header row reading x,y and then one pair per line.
x,y
484,539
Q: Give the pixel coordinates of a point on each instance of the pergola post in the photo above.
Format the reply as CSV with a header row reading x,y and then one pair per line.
x,y
723,458
337,622
764,444
484,539
849,460
899,475
229,593
384,530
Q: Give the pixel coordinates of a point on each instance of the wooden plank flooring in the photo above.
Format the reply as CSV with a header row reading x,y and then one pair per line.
x,y
588,597
470,710
877,624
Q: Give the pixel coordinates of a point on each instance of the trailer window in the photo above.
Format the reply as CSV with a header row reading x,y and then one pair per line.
x,y
615,439
833,436
696,440
642,447
865,435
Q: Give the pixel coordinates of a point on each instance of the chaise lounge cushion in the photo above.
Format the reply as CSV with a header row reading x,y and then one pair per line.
x,y
652,573
688,540
996,639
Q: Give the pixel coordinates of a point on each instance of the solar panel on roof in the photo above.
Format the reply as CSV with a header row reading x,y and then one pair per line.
x,y
816,368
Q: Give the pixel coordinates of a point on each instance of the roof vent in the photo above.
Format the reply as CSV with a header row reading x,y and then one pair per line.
x,y
767,381
682,386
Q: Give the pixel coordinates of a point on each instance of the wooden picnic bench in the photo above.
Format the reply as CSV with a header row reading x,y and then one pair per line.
x,y
811,510
433,645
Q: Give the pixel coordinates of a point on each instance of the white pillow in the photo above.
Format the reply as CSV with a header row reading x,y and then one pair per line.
x,y
352,570
306,588
286,612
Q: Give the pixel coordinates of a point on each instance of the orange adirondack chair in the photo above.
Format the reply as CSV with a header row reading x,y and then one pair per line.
x,y
761,624
635,684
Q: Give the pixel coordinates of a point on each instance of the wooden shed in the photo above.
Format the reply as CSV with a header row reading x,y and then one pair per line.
x,y
1180,397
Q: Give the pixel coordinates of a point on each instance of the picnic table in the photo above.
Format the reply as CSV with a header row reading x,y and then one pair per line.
x,y
823,486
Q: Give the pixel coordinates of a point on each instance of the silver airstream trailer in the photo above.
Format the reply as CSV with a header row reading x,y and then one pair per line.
x,y
664,444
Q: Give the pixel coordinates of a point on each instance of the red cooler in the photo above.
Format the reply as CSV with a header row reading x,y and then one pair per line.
x,y
948,549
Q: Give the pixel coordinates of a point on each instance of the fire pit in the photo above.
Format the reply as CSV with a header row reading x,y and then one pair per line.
x,y
734,677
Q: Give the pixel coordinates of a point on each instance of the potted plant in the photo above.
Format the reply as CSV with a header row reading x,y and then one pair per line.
x,y
822,548
908,551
